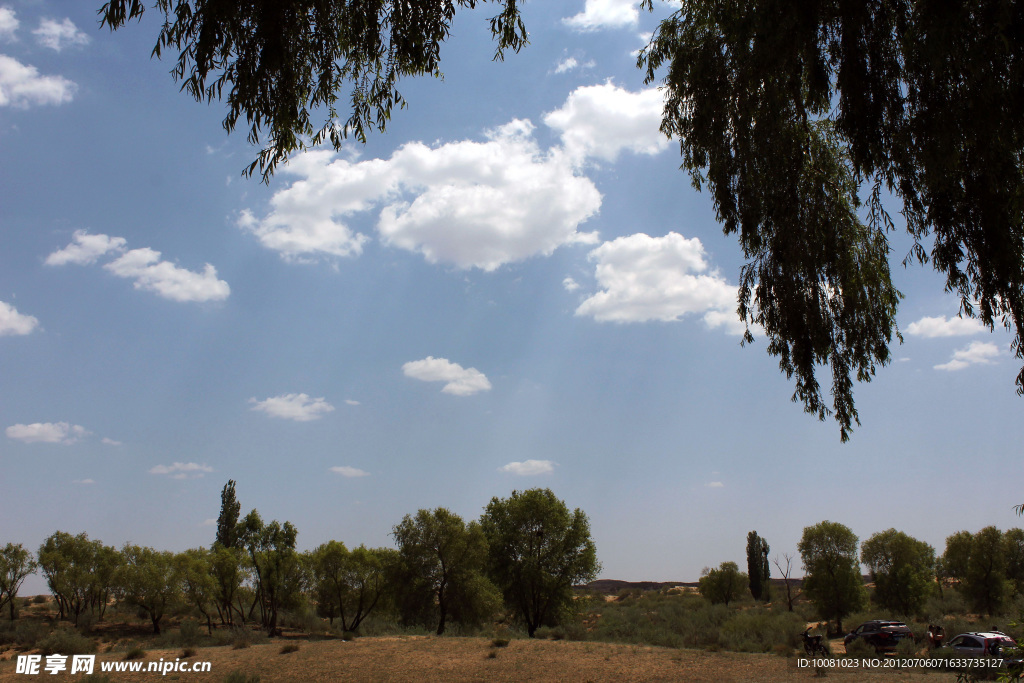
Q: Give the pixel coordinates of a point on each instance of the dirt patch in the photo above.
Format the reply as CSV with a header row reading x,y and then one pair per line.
x,y
459,660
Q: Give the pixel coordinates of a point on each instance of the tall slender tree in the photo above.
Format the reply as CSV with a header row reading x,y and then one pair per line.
x,y
759,570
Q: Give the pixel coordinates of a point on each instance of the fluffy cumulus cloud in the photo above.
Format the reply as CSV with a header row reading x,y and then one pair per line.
x,y
182,470
603,120
8,23
298,407
458,380
943,327
145,266
646,278
47,432
529,467
22,86
349,472
14,323
975,353
58,35
599,14
469,204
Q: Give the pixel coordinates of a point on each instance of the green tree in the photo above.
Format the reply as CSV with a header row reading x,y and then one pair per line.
x,y
537,551
758,568
16,563
150,581
348,584
832,578
723,585
902,568
80,573
978,563
1014,540
275,565
199,587
441,572
802,123
279,63
227,520
226,565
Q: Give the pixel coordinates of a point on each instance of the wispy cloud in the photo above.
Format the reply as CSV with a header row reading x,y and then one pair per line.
x,y
14,323
58,35
352,402
84,482
349,472
714,485
47,432
182,470
570,284
145,266
8,23
975,353
297,407
459,381
529,467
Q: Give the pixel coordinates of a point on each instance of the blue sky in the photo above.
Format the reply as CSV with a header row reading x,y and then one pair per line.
x,y
513,287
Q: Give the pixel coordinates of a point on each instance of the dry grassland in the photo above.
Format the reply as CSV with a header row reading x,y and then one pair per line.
x,y
457,660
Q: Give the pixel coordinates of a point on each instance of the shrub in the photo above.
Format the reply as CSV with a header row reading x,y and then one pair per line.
x,y
190,633
492,655
135,653
860,648
289,648
349,635
189,652
244,637
40,599
500,642
66,641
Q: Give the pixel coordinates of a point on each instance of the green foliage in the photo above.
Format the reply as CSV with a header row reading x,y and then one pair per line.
x,y
788,116
66,641
276,566
190,633
723,585
833,581
438,572
348,584
979,562
81,573
16,563
135,652
902,568
537,551
150,581
759,570
198,584
281,62
860,648
227,520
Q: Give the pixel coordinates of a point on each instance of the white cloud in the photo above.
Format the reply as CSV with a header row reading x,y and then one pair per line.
x,y
111,442
941,327
974,353
529,467
459,381
168,280
57,35
570,284
8,23
83,481
85,249
14,323
21,86
47,432
714,485
571,63
598,14
658,278
298,407
144,266
209,521
470,204
182,470
603,120
352,402
346,471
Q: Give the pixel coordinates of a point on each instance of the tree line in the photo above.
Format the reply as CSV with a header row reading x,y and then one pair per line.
x,y
520,559
985,567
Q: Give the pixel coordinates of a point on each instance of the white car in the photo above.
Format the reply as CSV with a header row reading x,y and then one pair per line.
x,y
981,644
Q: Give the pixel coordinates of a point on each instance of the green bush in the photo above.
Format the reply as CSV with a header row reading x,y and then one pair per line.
x,y
190,633
859,648
135,652
66,641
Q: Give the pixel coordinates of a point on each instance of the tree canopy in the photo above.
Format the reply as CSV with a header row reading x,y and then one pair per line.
x,y
801,123
902,567
281,62
833,581
723,585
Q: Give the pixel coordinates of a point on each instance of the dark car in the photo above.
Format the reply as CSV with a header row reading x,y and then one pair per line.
x,y
884,636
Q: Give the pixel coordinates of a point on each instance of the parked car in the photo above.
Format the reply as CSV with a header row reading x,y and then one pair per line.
x,y
984,644
884,636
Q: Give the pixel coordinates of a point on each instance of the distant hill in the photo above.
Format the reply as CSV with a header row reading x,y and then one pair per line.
x,y
613,586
